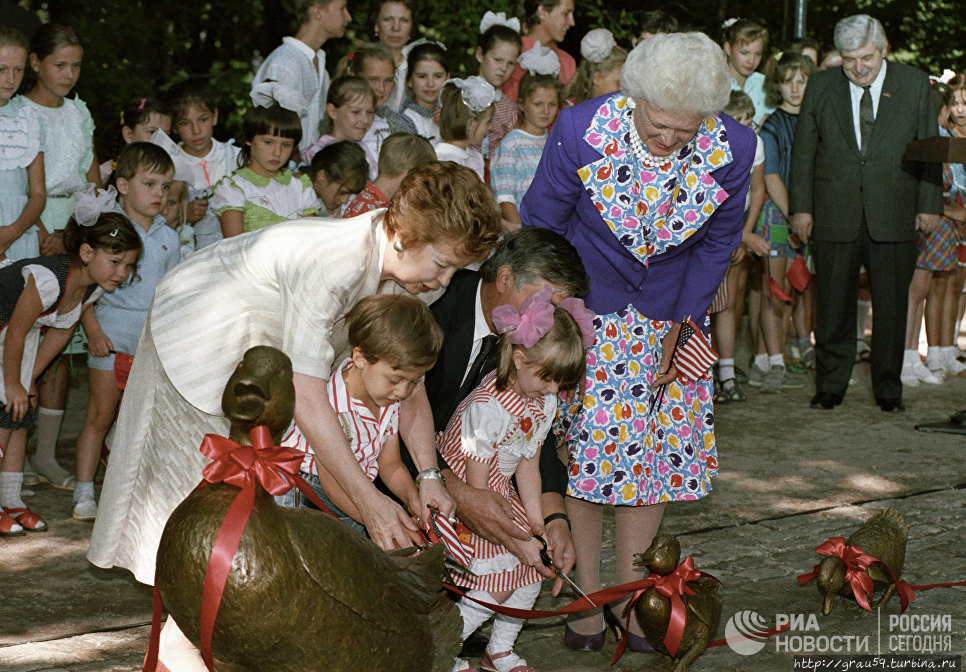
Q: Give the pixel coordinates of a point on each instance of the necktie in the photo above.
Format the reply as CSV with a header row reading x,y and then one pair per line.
x,y
866,119
473,375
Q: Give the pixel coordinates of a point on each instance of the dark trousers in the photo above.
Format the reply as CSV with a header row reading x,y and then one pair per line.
x,y
889,267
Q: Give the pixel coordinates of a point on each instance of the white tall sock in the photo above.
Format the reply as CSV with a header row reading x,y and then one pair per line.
x,y
11,483
862,309
45,459
934,357
474,615
910,358
506,629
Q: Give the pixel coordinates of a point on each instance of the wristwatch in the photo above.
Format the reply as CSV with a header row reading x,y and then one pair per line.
x,y
432,474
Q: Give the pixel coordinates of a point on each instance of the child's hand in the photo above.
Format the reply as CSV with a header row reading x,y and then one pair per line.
x,y
18,401
197,209
99,345
756,244
530,553
53,244
739,254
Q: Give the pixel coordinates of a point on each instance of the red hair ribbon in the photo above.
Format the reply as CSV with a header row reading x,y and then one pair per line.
x,y
143,101
856,562
351,56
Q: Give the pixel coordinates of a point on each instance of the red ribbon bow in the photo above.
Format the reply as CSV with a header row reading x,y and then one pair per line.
x,y
674,585
857,562
239,465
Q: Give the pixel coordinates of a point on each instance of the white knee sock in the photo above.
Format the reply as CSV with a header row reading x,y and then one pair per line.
x,y
861,317
506,629
474,615
11,483
48,429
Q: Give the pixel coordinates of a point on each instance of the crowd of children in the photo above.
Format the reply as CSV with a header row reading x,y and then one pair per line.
x,y
340,147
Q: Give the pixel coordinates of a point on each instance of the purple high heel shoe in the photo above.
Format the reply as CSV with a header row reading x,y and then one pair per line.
x,y
578,642
636,643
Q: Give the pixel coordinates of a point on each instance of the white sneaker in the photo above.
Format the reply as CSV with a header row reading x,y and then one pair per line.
x,y
907,377
920,371
85,509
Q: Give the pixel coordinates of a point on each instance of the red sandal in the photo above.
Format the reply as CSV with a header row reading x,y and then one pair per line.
x,y
6,523
487,663
30,521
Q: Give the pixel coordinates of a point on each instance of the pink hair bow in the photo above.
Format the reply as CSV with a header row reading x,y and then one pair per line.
x,y
583,316
528,324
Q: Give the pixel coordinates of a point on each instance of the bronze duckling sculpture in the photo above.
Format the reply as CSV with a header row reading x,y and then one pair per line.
x,y
653,609
883,536
305,593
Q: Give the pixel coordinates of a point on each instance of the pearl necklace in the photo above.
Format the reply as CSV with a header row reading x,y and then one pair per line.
x,y
641,152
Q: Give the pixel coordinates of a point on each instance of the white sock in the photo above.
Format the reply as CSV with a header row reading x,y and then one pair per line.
x,y
726,368
11,483
474,615
48,429
761,361
861,317
910,358
934,357
776,360
506,629
83,490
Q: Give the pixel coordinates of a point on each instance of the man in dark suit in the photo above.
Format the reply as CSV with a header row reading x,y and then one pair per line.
x,y
861,203
523,264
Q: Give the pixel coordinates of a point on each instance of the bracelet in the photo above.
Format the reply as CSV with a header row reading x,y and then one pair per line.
x,y
432,474
557,516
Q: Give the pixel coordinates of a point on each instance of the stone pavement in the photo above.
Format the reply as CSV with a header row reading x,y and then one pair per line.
x,y
790,478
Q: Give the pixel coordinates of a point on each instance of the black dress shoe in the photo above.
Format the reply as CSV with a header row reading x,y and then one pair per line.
x,y
825,401
889,405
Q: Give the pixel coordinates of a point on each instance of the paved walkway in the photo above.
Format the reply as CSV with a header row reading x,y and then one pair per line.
x,y
790,478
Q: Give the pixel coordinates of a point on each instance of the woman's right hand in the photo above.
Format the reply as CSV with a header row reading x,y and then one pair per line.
x,y
18,401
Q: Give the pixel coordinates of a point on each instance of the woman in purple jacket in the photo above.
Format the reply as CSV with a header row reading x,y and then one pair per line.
x,y
649,185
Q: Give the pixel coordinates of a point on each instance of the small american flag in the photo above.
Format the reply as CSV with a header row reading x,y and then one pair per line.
x,y
446,533
694,355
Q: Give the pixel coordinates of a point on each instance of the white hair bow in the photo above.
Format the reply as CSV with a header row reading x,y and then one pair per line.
x,y
87,204
597,45
477,93
540,60
499,19
266,94
415,43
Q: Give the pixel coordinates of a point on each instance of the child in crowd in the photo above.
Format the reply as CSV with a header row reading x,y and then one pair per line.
x,y
428,69
655,22
744,43
784,89
599,72
199,159
464,121
374,63
52,292
807,46
495,436
175,215
401,152
337,172
729,301
138,121
394,341
70,163
497,53
22,190
263,191
545,22
516,163
954,180
143,174
348,116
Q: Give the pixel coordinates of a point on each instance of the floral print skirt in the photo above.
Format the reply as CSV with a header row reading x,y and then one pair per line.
x,y
620,453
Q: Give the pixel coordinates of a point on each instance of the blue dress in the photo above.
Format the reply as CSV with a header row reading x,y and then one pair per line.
x,y
21,139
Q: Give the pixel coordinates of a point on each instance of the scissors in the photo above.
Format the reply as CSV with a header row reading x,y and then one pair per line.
x,y
545,557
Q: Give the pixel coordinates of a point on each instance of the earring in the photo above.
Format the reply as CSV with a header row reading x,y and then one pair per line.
x,y
398,246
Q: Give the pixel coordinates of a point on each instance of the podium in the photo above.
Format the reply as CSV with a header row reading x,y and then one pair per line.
x,y
937,150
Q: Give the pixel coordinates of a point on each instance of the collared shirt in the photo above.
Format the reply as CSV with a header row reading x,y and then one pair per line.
x,y
292,64
755,88
161,252
365,433
480,331
855,92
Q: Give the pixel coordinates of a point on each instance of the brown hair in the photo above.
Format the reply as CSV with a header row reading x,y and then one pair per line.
x,y
454,114
10,37
739,104
401,152
444,202
560,354
344,162
399,330
354,63
527,10
531,82
112,232
142,155
302,7
778,71
47,39
581,87
744,31
187,94
274,120
344,90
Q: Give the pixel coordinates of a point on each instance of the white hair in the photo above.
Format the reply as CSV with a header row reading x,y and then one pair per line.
x,y
678,72
854,32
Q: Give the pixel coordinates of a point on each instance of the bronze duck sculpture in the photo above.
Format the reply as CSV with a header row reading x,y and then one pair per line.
x,y
305,593
884,536
653,609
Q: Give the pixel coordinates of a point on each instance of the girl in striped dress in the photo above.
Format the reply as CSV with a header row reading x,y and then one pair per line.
x,y
495,434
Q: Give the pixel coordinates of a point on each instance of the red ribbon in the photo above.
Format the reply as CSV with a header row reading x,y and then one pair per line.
x,y
674,585
856,562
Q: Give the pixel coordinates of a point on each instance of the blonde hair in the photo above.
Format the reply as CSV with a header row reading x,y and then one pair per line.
x,y
739,105
454,114
444,202
344,90
401,152
581,87
399,330
181,216
560,354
